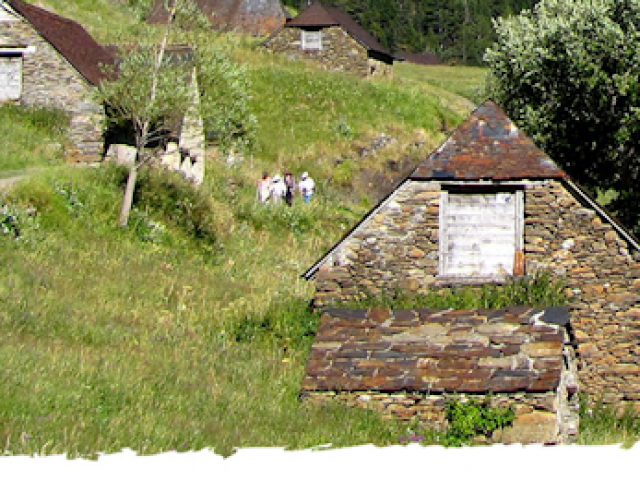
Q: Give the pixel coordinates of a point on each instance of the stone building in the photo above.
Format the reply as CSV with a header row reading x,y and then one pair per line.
x,y
182,147
487,206
332,38
256,17
49,60
409,363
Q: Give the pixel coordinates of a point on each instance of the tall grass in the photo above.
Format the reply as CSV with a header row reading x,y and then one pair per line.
x,y
539,290
601,425
34,137
112,340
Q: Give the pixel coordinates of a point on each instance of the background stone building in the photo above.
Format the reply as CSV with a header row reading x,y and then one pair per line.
x,y
332,38
486,206
52,61
256,17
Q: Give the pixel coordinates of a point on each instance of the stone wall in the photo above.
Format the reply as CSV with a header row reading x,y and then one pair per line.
x,y
603,282
540,417
49,80
396,248
340,52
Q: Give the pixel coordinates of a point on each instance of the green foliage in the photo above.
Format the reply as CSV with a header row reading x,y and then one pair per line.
x,y
290,324
538,290
457,31
173,198
567,73
471,418
17,222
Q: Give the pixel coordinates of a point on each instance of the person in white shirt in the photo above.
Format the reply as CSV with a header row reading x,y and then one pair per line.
x,y
306,186
278,189
264,188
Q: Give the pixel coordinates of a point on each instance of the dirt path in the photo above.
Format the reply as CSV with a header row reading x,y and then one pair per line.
x,y
7,182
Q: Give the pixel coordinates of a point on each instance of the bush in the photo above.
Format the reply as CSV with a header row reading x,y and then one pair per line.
x,y
178,201
472,418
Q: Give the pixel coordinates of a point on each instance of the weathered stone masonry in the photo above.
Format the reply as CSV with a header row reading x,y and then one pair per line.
x,y
396,248
408,364
339,52
49,80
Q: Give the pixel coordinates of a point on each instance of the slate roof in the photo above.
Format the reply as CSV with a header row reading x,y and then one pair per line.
x,y
500,351
487,146
318,15
69,38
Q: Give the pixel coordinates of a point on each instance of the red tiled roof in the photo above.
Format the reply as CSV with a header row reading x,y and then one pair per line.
x,y
318,15
69,38
509,350
487,146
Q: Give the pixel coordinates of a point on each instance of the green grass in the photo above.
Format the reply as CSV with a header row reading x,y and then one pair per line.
x,y
467,82
603,425
541,289
114,341
304,112
37,138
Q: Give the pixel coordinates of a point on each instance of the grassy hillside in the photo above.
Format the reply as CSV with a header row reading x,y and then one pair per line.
x,y
190,329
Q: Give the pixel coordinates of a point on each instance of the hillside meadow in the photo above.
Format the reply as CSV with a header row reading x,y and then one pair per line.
x,y
190,329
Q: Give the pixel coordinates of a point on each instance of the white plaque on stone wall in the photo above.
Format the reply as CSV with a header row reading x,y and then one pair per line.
x,y
311,40
10,77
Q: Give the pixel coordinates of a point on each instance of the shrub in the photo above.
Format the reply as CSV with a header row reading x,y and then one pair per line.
x,y
471,418
178,202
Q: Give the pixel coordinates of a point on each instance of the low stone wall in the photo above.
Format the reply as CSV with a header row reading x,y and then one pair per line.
x,y
539,417
49,80
340,52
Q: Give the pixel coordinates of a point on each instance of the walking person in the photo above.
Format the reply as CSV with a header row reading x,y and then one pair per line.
x,y
264,188
290,185
278,189
306,186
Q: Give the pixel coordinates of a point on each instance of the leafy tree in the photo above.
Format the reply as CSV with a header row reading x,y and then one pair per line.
x,y
569,73
151,90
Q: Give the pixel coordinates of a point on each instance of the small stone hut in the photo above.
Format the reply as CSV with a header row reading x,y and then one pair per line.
x,y
49,60
487,206
256,17
182,148
409,364
332,38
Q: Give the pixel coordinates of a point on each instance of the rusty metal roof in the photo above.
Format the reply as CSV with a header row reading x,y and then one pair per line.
x,y
509,350
487,145
318,15
69,38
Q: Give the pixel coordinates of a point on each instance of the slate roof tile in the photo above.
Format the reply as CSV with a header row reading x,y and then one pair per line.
x,y
487,146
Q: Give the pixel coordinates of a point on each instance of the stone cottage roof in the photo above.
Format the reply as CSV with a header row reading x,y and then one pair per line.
x,y
69,38
318,16
499,351
487,146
